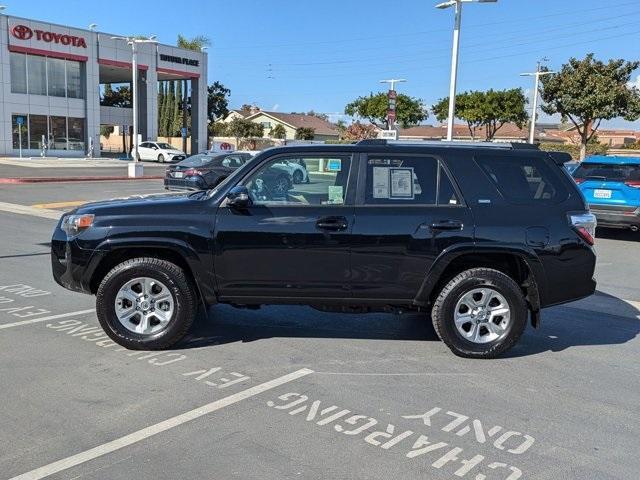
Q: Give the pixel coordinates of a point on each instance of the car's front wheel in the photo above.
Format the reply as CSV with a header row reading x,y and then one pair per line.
x,y
480,313
298,177
161,158
146,304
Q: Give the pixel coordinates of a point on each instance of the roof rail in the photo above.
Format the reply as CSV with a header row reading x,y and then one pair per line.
x,y
432,143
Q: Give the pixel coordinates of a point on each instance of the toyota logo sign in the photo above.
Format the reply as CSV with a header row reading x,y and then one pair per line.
x,y
22,32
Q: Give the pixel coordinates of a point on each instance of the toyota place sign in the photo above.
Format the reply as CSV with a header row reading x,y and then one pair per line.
x,y
22,32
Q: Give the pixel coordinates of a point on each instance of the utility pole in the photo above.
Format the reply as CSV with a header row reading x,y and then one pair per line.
x,y
392,96
534,111
457,4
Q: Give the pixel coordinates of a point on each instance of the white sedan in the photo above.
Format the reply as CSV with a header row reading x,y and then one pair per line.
x,y
297,171
159,152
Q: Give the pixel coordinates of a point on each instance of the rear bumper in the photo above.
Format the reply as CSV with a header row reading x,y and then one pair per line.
x,y
189,183
616,216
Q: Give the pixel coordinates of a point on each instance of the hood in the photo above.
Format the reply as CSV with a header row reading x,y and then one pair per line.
x,y
156,204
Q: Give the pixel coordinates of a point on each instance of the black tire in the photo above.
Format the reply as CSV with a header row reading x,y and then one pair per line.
x,y
298,177
282,185
170,275
443,312
138,157
161,158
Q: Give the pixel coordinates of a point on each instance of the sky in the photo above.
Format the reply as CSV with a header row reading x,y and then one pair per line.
x,y
296,55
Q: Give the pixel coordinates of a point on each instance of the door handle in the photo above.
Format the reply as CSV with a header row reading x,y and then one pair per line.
x,y
333,224
447,225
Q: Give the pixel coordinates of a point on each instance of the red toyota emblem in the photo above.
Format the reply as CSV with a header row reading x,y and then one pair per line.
x,y
22,32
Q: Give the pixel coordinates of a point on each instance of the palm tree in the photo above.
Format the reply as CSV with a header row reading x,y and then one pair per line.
x,y
196,43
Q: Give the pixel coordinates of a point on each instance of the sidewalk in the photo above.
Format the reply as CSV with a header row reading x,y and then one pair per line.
x,y
38,169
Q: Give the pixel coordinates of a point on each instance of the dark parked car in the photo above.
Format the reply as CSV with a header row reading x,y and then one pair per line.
x,y
203,171
479,236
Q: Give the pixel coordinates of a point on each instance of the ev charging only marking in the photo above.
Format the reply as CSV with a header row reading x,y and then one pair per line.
x,y
160,427
45,319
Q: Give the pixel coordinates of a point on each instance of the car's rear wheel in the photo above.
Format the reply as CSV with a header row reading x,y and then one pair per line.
x,y
161,158
298,177
480,313
146,304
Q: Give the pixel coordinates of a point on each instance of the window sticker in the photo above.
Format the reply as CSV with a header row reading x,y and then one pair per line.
x,y
381,182
334,165
402,184
336,196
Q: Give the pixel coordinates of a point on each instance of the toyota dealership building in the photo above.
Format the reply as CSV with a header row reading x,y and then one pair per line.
x,y
51,80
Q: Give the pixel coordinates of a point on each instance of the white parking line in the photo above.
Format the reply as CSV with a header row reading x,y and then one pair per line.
x,y
44,319
27,210
160,427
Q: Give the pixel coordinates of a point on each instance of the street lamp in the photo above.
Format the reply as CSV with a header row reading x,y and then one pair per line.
x,y
457,4
537,74
137,168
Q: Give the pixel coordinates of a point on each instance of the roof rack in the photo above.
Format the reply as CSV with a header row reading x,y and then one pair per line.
x,y
431,143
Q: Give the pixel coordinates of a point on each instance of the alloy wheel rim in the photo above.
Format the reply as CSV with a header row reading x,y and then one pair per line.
x,y
144,306
482,315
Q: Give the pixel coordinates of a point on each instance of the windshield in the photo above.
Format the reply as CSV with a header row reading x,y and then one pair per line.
x,y
609,171
166,146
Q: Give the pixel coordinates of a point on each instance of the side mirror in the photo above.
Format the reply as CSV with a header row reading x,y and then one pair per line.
x,y
238,197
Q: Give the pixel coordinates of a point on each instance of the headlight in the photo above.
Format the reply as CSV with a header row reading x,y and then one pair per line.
x,y
74,224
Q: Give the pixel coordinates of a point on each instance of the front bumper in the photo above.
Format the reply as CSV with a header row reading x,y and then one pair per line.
x,y
616,216
71,265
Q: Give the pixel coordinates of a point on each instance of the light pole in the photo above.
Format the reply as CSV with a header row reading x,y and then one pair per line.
x,y
457,4
392,96
135,169
93,26
534,111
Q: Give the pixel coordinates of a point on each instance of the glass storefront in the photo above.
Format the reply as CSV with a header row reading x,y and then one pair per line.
x,y
60,133
39,75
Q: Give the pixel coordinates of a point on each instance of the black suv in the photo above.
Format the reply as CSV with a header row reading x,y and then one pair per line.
x,y
478,235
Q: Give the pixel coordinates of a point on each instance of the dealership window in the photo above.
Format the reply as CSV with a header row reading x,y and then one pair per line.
x,y
37,75
58,133
16,130
74,79
76,133
55,77
18,72
37,129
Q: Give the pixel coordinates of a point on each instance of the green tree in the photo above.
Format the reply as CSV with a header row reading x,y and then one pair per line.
x,y
491,109
119,97
218,129
196,43
106,130
166,116
305,133
410,111
176,119
588,91
278,132
217,101
239,128
360,131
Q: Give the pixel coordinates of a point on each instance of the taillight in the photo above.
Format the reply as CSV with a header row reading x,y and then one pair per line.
x,y
633,183
585,224
192,172
578,180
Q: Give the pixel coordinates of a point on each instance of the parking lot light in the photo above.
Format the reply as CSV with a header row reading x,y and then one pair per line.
x,y
457,4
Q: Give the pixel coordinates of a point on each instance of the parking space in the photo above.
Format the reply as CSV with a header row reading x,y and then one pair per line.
x,y
289,392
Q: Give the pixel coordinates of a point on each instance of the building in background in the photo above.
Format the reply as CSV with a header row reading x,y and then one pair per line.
x,y
53,75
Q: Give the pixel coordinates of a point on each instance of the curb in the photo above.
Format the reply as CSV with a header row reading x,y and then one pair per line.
x,y
75,179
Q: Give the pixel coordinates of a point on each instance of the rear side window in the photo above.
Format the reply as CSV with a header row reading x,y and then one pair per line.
x,y
400,180
529,180
609,172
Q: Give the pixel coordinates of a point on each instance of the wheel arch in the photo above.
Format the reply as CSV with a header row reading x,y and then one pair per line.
x,y
181,255
519,263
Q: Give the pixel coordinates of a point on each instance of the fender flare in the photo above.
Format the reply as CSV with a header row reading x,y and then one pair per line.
x,y
203,277
535,291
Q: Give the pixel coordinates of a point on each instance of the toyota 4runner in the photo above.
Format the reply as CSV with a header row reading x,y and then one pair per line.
x,y
479,236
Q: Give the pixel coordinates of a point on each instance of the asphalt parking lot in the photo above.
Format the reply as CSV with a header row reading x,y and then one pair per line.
x,y
288,392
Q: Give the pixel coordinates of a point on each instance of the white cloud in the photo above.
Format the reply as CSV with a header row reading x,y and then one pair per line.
x,y
636,83
275,108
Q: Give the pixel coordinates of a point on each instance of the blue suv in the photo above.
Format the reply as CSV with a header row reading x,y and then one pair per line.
x,y
611,186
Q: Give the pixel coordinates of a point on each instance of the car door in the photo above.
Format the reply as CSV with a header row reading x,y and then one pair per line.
x,y
408,210
143,150
292,244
